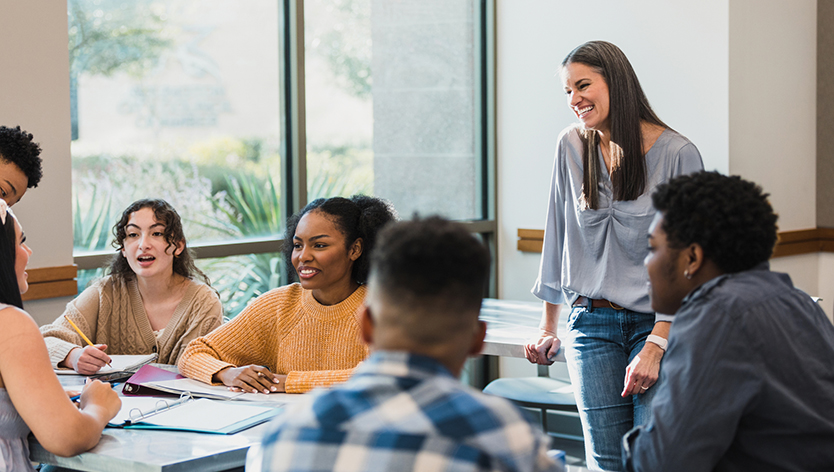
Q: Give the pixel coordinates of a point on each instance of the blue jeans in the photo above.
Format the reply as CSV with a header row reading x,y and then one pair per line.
x,y
599,346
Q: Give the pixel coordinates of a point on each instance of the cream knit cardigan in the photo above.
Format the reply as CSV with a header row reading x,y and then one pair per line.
x,y
110,312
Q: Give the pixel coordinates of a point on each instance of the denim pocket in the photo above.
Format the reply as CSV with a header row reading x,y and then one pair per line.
x,y
575,313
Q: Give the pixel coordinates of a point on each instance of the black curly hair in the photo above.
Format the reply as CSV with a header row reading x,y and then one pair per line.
x,y
730,218
359,216
167,215
17,147
432,264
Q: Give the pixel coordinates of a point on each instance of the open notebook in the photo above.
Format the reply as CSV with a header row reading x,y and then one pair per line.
x,y
120,363
187,414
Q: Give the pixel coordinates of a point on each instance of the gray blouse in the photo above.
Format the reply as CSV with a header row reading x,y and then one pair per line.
x,y
599,253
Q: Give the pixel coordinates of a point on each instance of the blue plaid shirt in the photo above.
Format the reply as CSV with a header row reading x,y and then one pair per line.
x,y
402,412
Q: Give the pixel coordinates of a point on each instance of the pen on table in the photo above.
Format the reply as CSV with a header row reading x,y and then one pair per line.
x,y
83,336
75,398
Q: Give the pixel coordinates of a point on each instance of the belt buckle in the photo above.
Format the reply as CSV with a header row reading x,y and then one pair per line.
x,y
615,306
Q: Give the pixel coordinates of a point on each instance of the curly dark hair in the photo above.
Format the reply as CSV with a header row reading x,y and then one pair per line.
x,y
730,218
431,263
359,216
628,107
17,147
167,215
9,290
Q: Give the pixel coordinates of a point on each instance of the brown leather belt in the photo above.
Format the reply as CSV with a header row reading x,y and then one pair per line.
x,y
596,303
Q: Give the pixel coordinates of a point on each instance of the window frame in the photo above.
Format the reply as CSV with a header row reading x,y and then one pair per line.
x,y
294,165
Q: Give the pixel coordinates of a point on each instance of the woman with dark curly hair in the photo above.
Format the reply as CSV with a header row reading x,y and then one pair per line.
x,y
595,240
304,335
747,379
154,300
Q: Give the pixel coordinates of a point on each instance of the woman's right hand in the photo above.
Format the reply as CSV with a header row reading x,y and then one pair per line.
x,y
87,360
251,379
101,394
543,349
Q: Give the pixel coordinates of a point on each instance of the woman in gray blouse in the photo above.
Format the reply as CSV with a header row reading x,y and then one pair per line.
x,y
598,216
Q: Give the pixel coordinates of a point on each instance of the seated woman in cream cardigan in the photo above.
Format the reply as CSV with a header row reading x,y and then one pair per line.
x,y
304,335
154,300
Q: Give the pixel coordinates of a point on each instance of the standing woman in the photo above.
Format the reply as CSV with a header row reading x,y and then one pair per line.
x,y
154,300
31,398
595,241
304,335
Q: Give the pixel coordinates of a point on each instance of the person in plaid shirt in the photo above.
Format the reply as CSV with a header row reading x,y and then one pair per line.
x,y
404,408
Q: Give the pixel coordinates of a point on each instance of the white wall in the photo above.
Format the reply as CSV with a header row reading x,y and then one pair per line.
x,y
773,70
680,53
773,99
35,95
735,76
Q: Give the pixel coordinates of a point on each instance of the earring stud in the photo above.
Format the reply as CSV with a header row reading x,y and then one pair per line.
x,y
687,274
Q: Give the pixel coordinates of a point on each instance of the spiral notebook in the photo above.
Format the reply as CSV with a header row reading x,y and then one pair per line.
x,y
187,414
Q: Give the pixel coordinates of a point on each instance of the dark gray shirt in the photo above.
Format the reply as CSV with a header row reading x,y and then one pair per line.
x,y
599,253
748,382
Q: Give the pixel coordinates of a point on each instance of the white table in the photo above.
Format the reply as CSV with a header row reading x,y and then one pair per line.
x,y
153,450
511,324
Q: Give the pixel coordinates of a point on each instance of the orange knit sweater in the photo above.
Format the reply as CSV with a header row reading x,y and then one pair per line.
x,y
289,332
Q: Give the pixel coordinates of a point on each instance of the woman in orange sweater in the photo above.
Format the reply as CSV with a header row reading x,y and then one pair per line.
x,y
304,335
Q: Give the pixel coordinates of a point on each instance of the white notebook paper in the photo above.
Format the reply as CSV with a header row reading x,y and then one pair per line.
x,y
130,363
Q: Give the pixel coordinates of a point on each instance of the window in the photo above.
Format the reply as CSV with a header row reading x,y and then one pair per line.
x,y
238,113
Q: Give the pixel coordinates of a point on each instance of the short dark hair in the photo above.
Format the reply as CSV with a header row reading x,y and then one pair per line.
x,y
9,290
628,108
431,263
730,218
359,216
167,215
17,147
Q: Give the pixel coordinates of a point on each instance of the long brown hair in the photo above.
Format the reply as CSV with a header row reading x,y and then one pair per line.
x,y
628,107
167,215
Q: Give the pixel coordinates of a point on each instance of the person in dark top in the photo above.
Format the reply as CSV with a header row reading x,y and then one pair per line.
x,y
749,383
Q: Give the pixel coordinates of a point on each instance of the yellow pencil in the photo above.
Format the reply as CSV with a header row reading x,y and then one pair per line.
x,y
80,333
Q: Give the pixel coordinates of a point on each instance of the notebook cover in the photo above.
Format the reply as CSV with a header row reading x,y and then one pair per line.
x,y
148,373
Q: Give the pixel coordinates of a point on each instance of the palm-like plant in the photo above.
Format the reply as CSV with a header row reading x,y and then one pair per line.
x,y
252,208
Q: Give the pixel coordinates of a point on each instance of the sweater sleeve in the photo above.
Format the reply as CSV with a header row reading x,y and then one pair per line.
x,y
304,381
60,337
248,339
206,314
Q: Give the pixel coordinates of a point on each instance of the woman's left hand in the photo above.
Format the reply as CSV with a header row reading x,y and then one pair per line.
x,y
643,371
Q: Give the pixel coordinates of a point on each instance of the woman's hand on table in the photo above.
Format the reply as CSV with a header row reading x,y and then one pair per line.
x,y
542,350
87,360
100,394
643,371
252,379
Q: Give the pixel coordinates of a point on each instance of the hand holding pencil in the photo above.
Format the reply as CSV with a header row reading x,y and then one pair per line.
x,y
87,360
